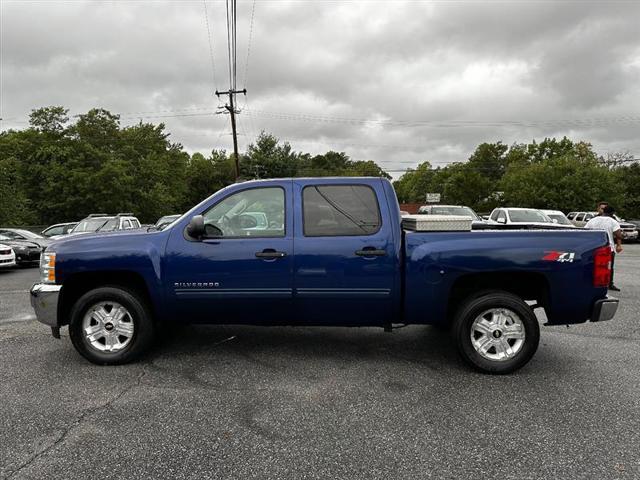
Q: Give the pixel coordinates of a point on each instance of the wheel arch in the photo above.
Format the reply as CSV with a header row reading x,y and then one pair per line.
x,y
526,285
80,283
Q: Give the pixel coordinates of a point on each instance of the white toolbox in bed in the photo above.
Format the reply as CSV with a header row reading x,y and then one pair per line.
x,y
436,223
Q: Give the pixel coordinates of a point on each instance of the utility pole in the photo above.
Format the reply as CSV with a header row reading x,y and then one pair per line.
x,y
232,111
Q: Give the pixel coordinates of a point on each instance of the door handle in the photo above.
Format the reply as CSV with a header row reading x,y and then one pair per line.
x,y
269,253
371,252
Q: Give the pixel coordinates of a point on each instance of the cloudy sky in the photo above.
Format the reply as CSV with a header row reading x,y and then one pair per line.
x,y
393,81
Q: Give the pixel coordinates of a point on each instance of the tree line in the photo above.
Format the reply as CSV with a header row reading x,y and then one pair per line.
x,y
60,169
552,174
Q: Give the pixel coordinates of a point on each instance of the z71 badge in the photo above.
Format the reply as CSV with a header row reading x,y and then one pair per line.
x,y
554,256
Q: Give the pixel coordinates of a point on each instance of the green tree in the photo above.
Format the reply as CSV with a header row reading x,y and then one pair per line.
x,y
461,184
50,120
490,160
628,182
564,183
268,158
205,176
15,208
412,186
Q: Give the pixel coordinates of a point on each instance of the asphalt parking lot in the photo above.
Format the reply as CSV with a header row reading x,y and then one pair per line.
x,y
245,402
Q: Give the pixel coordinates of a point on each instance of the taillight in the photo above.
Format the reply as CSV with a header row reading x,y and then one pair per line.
x,y
602,267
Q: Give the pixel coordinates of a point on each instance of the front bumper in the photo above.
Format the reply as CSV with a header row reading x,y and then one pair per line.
x,y
630,235
30,255
7,261
44,300
604,309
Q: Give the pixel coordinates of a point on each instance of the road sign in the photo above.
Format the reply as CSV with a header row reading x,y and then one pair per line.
x,y
433,198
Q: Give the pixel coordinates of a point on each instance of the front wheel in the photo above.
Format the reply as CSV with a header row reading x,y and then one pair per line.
x,y
496,332
110,326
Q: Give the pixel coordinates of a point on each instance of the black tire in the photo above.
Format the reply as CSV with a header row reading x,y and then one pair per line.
x,y
143,333
477,305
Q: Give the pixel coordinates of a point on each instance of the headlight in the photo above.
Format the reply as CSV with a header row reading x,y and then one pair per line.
x,y
48,267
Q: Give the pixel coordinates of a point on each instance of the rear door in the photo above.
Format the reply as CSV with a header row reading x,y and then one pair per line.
x,y
345,265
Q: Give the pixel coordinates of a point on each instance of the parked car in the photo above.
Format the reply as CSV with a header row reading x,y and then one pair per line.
x,y
7,256
102,222
558,218
451,210
59,229
629,229
26,235
580,219
335,256
520,217
26,252
166,220
637,225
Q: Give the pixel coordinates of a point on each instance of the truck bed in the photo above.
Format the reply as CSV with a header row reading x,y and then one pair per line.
x,y
556,265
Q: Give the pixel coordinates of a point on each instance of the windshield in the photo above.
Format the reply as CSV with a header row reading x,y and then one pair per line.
x,y
560,219
28,234
19,234
90,224
3,237
110,225
166,220
528,216
464,211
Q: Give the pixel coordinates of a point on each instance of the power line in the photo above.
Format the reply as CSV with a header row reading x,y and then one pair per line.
x,y
229,45
213,68
246,64
180,112
235,46
587,122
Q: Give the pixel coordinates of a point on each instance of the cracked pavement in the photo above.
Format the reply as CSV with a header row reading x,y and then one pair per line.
x,y
249,402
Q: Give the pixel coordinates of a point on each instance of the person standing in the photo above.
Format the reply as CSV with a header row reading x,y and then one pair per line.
x,y
606,222
601,206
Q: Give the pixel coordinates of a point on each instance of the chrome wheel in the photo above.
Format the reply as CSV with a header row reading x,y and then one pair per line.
x,y
498,334
108,327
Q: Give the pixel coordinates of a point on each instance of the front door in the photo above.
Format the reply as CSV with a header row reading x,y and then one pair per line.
x,y
242,271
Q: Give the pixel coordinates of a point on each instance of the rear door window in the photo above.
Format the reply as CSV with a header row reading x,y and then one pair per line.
x,y
579,217
340,210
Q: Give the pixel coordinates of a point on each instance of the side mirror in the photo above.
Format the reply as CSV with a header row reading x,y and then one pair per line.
x,y
554,220
502,220
195,229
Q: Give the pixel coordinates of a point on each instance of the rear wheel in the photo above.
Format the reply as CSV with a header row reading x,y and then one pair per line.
x,y
496,332
110,326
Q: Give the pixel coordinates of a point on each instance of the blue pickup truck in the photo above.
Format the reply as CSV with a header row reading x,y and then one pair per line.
x,y
322,252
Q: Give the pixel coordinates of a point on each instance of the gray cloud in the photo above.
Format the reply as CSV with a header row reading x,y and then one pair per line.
x,y
469,68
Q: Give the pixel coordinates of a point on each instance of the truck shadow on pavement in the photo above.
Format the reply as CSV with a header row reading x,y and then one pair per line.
x,y
294,348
